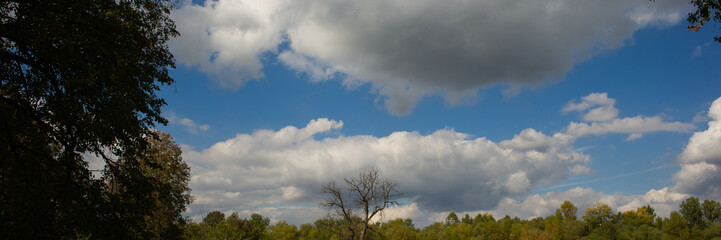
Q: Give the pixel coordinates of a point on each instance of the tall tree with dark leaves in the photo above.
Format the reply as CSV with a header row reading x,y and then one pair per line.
x,y
76,76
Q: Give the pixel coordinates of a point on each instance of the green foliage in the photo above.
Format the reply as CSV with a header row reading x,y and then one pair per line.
x,y
568,210
283,230
534,234
399,229
500,229
640,223
80,76
598,214
459,231
214,217
692,212
148,191
675,227
467,219
644,232
452,219
713,231
433,231
711,211
641,216
255,227
216,226
554,226
481,218
573,229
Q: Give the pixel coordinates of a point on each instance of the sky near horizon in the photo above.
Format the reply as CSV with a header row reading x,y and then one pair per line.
x,y
506,107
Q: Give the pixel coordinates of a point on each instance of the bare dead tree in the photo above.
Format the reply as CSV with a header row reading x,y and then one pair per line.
x,y
364,197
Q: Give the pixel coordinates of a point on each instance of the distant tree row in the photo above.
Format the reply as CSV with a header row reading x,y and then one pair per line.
x,y
694,220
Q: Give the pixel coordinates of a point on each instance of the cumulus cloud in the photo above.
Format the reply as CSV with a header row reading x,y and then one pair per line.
x,y
700,172
601,117
443,170
226,39
189,124
409,49
281,171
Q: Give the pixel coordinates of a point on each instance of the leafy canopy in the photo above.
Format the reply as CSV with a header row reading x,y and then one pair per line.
x,y
77,76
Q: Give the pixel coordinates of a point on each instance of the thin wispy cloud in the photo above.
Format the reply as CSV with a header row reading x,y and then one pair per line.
x,y
189,124
601,179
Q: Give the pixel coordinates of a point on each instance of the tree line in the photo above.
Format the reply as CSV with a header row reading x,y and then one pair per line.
x,y
693,220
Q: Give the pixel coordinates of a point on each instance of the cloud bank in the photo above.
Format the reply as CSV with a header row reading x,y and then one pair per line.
x,y
440,170
279,172
700,172
409,49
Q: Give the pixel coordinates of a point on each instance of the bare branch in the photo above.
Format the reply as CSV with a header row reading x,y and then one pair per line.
x,y
365,196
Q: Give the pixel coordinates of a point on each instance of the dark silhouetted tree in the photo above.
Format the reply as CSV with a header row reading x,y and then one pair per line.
x,y
76,76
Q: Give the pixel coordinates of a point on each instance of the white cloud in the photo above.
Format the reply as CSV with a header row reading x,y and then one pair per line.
x,y
601,114
402,211
634,136
227,38
638,124
282,170
190,125
528,139
410,49
582,170
603,118
589,101
700,172
518,183
705,146
602,109
443,170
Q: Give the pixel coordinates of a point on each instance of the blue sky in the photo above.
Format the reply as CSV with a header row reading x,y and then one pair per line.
x,y
233,81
